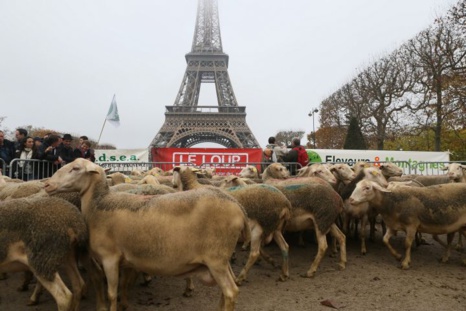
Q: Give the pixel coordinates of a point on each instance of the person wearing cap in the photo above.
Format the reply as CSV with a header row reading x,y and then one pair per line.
x,y
37,141
65,151
48,151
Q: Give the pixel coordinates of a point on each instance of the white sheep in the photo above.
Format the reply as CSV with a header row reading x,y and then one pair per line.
x,y
363,211
184,233
41,235
456,172
437,209
267,210
315,205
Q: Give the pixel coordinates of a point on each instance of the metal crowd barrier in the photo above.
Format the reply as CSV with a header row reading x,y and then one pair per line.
x,y
31,169
127,167
227,168
433,168
3,166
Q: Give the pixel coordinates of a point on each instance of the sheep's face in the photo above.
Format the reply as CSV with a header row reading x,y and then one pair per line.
x,y
277,170
248,172
322,171
74,176
391,169
232,181
343,172
375,175
456,171
365,191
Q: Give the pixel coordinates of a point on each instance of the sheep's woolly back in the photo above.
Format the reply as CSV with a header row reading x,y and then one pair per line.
x,y
435,205
48,227
318,199
116,178
20,190
263,203
148,189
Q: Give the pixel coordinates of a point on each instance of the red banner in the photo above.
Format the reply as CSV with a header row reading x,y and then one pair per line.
x,y
226,161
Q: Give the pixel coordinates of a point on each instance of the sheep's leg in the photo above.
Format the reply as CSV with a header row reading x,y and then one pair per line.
x,y
111,273
322,248
437,239
77,282
338,235
256,240
447,253
34,299
372,223
459,245
280,240
346,219
97,277
27,278
264,255
62,295
128,277
146,279
410,236
386,239
223,275
188,291
362,233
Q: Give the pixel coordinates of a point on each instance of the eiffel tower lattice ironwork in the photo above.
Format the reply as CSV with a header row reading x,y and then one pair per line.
x,y
188,124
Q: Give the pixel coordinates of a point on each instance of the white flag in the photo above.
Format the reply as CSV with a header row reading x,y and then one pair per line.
x,y
112,115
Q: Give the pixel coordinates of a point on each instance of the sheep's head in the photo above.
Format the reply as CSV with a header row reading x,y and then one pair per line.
x,y
249,172
390,169
232,181
276,170
375,175
456,172
343,172
184,174
323,172
75,176
365,191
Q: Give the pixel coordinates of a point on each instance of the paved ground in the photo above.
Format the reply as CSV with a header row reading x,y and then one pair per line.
x,y
370,282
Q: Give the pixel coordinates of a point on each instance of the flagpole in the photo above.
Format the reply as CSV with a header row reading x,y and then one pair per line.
x,y
101,131
110,116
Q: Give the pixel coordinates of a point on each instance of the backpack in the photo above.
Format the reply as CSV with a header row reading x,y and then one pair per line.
x,y
303,158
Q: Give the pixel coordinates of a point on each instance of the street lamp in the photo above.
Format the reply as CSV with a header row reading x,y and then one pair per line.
x,y
311,114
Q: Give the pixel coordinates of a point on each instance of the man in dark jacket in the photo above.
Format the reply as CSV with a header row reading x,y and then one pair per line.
x,y
65,151
292,156
48,152
7,152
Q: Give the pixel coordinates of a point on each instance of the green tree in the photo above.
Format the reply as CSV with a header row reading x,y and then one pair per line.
x,y
354,138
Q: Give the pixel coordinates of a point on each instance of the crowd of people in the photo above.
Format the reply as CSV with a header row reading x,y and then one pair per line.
x,y
40,157
276,153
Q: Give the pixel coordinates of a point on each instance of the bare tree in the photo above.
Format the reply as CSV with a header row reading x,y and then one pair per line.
x,y
435,52
286,136
383,87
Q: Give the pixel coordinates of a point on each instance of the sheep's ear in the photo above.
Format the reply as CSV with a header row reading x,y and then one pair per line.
x,y
107,169
176,168
379,187
254,169
90,168
463,166
445,168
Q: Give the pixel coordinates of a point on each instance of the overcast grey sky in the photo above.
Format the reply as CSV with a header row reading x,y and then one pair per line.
x,y
62,61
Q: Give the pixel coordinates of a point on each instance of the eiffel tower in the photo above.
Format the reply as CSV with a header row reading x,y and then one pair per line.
x,y
188,124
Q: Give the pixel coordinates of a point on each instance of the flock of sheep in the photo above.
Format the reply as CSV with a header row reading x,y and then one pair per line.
x,y
188,222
